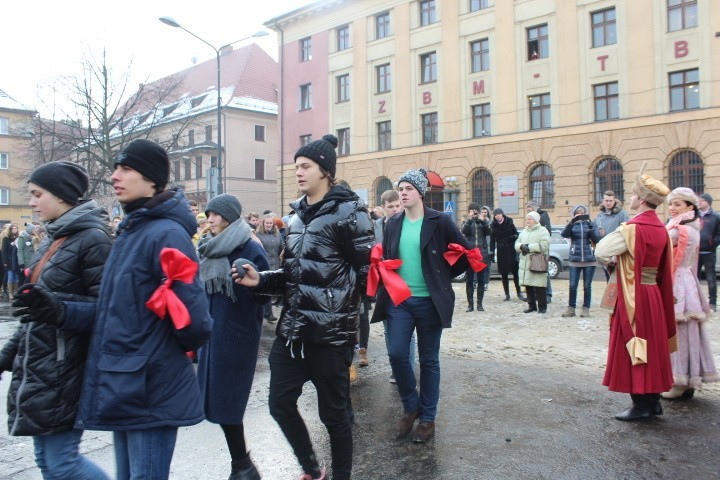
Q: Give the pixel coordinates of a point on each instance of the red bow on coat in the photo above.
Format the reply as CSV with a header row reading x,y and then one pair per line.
x,y
177,267
382,270
455,251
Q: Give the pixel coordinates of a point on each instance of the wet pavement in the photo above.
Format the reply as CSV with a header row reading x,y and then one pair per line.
x,y
520,398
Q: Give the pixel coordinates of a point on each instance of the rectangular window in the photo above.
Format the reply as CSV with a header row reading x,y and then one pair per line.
x,y
343,141
4,196
383,78
682,14
607,101
480,55
259,133
4,161
343,88
176,170
428,14
539,111
428,67
343,37
429,128
188,169
481,120
305,139
476,5
538,42
306,96
191,138
213,161
4,123
384,135
208,133
382,25
684,90
198,167
305,49
603,28
259,169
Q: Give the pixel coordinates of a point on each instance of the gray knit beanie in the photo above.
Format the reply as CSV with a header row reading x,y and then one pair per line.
x,y
225,205
416,178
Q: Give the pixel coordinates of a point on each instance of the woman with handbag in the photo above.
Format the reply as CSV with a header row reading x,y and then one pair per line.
x,y
534,245
583,235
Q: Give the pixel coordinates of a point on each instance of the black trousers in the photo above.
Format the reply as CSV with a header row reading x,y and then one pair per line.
x,y
327,369
536,297
707,261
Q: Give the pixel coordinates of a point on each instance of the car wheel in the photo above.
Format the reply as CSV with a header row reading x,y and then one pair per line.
x,y
554,268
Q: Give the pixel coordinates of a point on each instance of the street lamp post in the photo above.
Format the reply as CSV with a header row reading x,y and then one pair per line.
x,y
261,33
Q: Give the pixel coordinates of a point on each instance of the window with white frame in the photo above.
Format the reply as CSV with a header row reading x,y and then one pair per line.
x,y
4,160
4,122
259,133
4,196
306,96
343,37
343,135
343,88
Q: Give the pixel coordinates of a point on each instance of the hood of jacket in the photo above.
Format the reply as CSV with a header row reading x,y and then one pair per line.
x,y
168,204
81,217
337,194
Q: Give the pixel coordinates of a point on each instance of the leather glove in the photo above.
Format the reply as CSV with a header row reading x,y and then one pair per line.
x,y
524,249
34,303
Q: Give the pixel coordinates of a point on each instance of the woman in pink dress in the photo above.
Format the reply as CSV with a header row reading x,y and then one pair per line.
x,y
693,361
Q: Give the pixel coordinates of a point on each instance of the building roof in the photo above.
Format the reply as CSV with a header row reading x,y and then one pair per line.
x,y
9,103
302,12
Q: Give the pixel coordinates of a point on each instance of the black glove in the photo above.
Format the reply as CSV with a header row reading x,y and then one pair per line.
x,y
492,257
37,304
524,249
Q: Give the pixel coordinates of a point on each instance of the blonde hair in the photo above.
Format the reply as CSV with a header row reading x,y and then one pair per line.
x,y
261,226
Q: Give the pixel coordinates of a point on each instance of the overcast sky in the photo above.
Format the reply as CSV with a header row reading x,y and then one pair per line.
x,y
48,38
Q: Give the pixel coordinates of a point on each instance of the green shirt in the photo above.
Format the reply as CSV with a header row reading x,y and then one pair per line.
x,y
411,268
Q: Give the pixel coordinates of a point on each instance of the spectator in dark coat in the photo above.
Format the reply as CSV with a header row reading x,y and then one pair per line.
x,y
476,229
709,241
502,240
46,358
226,364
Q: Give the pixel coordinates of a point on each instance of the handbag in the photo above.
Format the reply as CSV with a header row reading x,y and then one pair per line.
x,y
538,263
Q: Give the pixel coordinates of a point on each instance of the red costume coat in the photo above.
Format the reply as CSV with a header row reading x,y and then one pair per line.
x,y
644,309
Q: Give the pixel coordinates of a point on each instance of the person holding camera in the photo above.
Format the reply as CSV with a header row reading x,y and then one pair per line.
x,y
476,229
583,235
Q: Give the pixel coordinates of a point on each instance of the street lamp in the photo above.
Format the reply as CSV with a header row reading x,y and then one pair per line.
x,y
261,33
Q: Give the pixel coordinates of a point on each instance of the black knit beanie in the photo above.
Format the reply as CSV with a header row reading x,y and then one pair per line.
x,y
321,152
66,180
148,158
225,205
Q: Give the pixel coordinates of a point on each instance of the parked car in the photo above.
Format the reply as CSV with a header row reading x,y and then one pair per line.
x,y
558,260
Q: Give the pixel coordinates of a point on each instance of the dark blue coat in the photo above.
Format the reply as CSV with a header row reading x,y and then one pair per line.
x,y
226,364
436,233
137,375
581,233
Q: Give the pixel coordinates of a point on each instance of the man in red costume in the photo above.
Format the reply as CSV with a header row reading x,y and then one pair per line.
x,y
642,324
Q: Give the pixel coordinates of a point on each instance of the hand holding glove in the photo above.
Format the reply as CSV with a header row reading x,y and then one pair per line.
x,y
34,303
524,249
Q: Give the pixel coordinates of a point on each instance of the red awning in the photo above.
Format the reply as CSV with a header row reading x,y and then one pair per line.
x,y
435,180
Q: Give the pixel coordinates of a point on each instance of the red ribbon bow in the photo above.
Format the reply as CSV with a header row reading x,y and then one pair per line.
x,y
176,266
455,251
382,270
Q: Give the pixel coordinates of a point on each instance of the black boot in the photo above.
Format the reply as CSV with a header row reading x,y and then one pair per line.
x,y
506,287
469,293
643,408
244,470
480,297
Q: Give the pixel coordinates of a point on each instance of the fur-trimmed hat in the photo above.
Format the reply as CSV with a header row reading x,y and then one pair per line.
x,y
683,193
417,178
648,188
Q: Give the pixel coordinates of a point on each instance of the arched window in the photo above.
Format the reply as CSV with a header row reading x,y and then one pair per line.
x,y
434,197
482,188
381,185
609,176
686,170
542,185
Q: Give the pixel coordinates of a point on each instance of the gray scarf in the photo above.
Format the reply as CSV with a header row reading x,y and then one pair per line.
x,y
214,252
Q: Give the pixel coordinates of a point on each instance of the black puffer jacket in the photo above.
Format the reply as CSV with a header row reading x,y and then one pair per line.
x,y
48,363
324,270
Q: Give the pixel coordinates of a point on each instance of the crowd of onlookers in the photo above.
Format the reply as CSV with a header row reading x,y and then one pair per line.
x,y
18,248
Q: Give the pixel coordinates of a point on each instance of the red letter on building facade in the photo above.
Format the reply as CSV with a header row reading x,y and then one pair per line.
x,y
681,49
602,59
479,87
381,109
427,98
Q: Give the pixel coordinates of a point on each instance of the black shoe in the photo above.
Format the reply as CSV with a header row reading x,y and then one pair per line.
x,y
636,412
244,470
542,310
487,286
522,297
470,308
530,310
507,298
480,308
